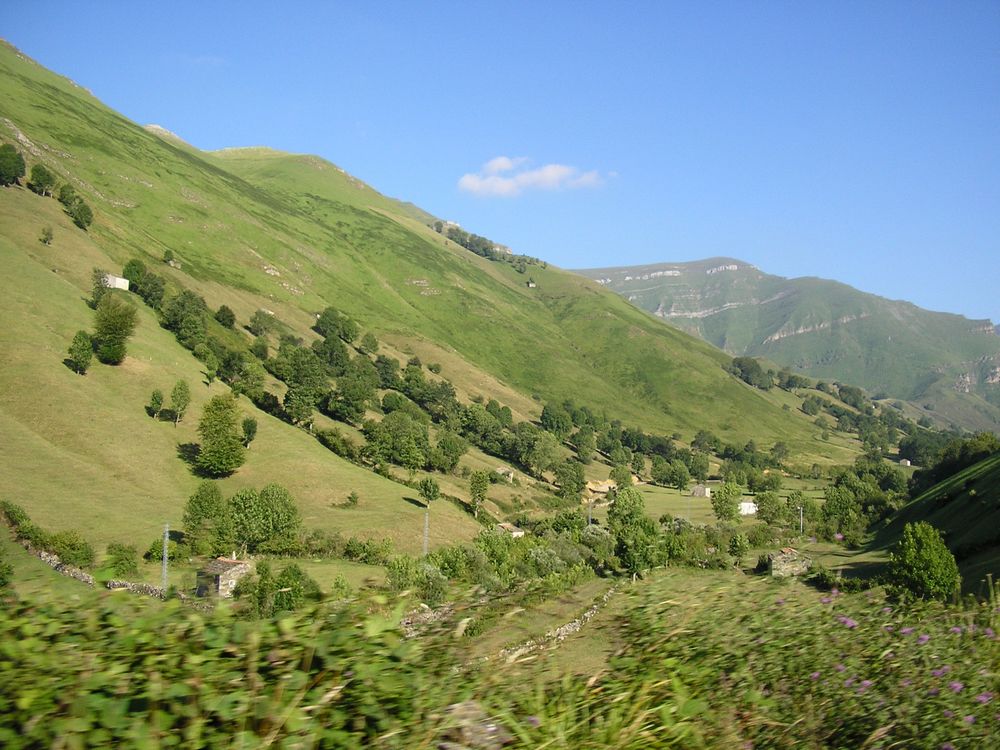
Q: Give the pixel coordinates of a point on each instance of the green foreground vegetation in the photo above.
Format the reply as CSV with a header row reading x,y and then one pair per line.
x,y
426,466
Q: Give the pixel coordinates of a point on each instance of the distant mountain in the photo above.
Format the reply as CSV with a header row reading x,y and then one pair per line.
x,y
945,363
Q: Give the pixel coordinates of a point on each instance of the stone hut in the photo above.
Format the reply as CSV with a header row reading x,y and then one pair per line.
x,y
219,576
505,472
787,562
904,462
701,490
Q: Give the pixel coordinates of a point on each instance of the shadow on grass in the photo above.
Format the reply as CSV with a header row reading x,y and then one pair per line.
x,y
69,364
188,453
414,501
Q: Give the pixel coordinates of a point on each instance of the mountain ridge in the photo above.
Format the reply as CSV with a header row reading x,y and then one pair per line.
x,y
944,362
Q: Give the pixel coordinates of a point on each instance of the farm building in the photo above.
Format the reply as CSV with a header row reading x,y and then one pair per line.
x,y
701,490
748,508
515,531
115,282
904,462
220,576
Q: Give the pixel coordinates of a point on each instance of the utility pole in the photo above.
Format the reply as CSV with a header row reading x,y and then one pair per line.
x,y
427,525
166,541
800,520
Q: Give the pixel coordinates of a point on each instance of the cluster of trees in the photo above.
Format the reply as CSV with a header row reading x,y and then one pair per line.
x,y
260,522
43,182
956,454
485,248
115,320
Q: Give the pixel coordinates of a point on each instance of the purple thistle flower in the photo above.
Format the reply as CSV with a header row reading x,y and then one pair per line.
x,y
970,719
888,628
949,714
534,721
947,746
825,600
941,671
838,536
923,639
886,610
906,682
933,691
984,697
989,633
839,667
815,676
834,592
779,602
955,629
847,622
905,631
956,686
848,682
865,684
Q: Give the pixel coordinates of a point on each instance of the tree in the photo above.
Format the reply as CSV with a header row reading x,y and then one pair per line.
x,y
249,431
46,236
634,532
261,323
556,420
113,325
225,316
621,475
42,181
479,484
123,559
80,213
726,502
739,545
770,508
569,477
222,451
98,286
267,520
11,165
921,563
698,466
155,403
429,491
208,525
80,352
207,357
180,397
369,344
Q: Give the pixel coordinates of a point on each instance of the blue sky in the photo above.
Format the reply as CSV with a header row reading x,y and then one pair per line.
x,y
858,141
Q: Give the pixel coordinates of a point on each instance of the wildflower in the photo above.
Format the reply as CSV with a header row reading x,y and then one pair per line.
x,y
888,628
905,631
949,714
864,685
815,676
933,691
886,610
941,671
848,682
834,592
838,536
534,721
839,667
779,602
905,682
956,686
970,719
984,697
847,622
989,633
955,629
825,600
923,639
947,746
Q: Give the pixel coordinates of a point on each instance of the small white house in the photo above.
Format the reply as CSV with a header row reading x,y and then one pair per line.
x,y
515,531
904,462
748,508
115,282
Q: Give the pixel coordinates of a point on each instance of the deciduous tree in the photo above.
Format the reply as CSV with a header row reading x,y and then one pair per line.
x,y
80,352
222,450
113,325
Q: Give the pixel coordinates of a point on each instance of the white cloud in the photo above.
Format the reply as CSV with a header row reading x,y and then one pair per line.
x,y
507,177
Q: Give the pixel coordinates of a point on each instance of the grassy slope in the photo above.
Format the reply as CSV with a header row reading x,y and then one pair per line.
x,y
879,344
79,452
966,508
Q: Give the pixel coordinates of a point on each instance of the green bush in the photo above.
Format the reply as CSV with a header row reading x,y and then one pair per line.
x,y
72,549
123,559
922,564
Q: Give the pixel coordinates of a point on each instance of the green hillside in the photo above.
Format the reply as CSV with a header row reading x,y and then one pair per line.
x,y
255,229
946,364
966,509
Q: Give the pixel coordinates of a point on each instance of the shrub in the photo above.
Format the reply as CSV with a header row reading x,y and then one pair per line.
x,y
123,559
72,549
922,564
